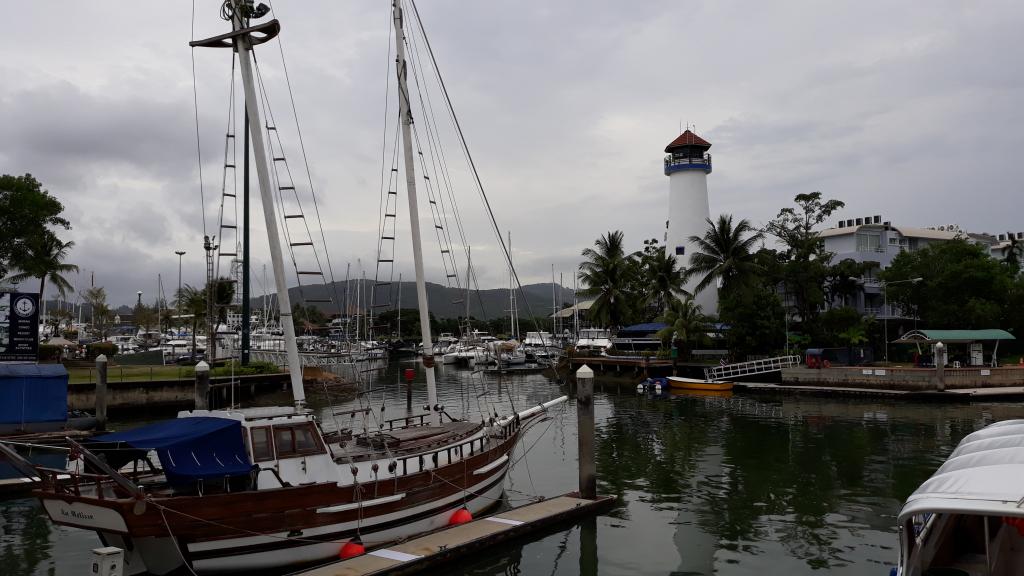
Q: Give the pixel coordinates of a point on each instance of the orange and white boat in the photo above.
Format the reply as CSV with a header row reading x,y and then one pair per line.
x,y
680,383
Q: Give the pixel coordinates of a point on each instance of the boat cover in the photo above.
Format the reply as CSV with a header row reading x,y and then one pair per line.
x,y
32,393
982,476
194,448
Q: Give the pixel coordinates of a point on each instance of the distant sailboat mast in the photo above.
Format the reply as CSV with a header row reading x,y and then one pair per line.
x,y
414,215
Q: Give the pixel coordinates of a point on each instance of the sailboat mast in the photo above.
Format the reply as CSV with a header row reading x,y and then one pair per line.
x,y
252,108
414,213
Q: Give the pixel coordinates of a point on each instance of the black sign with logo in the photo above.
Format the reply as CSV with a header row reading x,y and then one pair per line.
x,y
19,327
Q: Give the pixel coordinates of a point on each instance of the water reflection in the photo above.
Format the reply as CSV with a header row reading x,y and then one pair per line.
x,y
707,484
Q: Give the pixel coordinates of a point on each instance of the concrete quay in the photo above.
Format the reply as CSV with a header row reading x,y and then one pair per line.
x,y
975,379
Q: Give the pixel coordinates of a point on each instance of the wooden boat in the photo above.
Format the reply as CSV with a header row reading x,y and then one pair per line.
x,y
267,488
680,383
967,518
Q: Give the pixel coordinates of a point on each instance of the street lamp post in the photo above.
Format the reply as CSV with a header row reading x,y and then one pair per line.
x,y
885,309
177,295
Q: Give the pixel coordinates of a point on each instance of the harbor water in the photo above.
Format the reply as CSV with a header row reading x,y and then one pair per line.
x,y
731,484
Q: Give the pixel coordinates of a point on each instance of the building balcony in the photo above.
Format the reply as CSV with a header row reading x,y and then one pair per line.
x,y
678,164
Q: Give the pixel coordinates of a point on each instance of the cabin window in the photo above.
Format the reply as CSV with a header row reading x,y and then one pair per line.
x,y
262,449
297,440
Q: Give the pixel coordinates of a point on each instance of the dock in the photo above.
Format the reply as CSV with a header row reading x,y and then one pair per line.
x,y
954,395
454,542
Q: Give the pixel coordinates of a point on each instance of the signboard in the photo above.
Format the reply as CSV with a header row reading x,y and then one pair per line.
x,y
19,327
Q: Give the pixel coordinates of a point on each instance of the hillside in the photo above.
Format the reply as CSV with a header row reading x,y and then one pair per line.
x,y
444,302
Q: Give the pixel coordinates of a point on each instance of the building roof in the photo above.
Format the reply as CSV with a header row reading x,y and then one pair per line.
x,y
687,138
956,335
582,306
981,476
906,231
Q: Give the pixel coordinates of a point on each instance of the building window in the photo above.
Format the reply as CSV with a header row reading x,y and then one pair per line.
x,y
869,242
680,250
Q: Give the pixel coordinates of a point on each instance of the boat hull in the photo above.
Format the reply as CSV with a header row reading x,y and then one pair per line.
x,y
286,527
679,383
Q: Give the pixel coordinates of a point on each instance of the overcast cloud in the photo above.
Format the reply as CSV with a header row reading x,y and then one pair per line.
x,y
910,110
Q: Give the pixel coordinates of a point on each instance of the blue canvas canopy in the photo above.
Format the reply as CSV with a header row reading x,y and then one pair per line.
x,y
31,393
200,448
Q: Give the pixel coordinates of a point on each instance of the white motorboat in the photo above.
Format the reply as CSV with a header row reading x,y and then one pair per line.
x,y
967,519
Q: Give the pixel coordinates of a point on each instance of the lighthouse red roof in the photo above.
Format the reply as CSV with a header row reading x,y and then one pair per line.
x,y
687,138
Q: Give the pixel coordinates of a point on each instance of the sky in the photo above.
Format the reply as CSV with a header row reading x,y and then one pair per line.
x,y
905,109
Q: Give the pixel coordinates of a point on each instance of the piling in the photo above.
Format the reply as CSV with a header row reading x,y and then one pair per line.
x,y
101,392
940,366
585,424
202,391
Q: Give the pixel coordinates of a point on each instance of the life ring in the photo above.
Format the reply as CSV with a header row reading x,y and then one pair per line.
x,y
826,364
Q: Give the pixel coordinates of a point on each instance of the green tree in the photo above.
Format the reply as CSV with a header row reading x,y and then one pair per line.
x,y
95,297
806,264
724,254
1013,253
307,318
961,286
607,275
687,325
753,313
145,317
192,302
44,259
27,212
663,277
842,281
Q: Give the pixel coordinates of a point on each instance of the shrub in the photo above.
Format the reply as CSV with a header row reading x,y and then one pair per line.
x,y
96,348
252,369
49,353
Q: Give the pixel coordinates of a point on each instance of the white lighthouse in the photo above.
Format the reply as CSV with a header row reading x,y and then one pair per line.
x,y
687,166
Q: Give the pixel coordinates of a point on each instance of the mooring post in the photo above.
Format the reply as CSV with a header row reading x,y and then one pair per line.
x,y
585,424
101,392
202,385
940,366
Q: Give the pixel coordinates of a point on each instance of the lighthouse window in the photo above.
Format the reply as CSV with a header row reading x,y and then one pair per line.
x,y
680,250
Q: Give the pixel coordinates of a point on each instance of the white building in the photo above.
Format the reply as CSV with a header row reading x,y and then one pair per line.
x,y
872,240
687,166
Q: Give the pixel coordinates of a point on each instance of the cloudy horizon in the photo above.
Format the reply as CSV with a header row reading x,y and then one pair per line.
x,y
903,110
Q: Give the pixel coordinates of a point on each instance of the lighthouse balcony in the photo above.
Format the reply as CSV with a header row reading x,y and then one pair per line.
x,y
674,163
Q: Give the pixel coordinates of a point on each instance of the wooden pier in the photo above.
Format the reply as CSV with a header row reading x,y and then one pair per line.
x,y
454,542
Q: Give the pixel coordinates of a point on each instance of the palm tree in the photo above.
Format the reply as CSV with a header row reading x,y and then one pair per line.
x,y
686,323
1013,253
606,275
724,253
44,259
664,279
192,300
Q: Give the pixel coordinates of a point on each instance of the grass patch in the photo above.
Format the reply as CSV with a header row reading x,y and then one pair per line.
x,y
79,375
254,368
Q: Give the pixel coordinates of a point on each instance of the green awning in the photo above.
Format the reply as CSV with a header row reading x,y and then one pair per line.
x,y
955,336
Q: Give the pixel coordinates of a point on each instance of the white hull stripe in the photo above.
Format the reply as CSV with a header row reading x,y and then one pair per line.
x,y
504,521
364,504
492,465
395,555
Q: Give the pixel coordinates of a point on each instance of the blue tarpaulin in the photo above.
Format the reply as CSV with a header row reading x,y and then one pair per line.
x,y
33,393
640,330
200,448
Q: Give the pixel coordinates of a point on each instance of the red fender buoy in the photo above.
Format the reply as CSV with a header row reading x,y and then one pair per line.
x,y
460,516
351,549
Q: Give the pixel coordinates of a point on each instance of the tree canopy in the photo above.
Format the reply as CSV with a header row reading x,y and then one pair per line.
x,y
27,215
